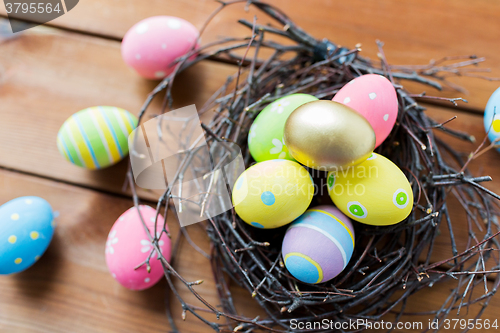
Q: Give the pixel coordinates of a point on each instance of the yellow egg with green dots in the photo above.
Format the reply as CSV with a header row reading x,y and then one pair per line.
x,y
272,193
373,192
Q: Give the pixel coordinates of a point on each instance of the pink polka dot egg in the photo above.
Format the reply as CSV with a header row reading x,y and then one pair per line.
x,y
375,98
318,245
152,45
128,246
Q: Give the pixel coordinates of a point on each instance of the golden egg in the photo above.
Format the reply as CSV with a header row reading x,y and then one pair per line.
x,y
327,135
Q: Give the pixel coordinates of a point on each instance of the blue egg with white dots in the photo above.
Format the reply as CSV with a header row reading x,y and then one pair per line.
x,y
26,229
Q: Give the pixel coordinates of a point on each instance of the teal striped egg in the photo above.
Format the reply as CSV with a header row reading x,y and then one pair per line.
x,y
96,137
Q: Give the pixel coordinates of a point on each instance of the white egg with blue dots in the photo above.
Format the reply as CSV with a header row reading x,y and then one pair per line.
x,y
26,229
272,193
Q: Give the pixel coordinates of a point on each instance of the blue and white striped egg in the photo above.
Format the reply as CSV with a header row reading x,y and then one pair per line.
x,y
26,229
96,137
492,117
318,245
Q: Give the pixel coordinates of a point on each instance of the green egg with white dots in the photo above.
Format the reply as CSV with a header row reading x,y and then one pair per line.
x,y
265,139
374,192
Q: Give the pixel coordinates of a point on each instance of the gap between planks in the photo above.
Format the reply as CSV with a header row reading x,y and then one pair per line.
x,y
122,195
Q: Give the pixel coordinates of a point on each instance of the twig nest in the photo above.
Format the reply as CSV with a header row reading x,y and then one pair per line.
x,y
327,135
335,135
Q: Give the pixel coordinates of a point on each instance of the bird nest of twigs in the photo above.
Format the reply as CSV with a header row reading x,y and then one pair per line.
x,y
389,263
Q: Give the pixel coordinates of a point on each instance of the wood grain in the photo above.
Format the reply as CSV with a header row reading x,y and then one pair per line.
x,y
47,75
414,31
70,289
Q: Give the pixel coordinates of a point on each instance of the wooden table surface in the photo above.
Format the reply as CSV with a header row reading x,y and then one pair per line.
x,y
48,73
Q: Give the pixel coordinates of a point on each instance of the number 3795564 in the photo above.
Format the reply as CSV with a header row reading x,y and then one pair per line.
x,y
471,324
40,8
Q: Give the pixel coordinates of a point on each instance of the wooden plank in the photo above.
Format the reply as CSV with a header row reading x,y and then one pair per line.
x,y
70,290
413,31
48,75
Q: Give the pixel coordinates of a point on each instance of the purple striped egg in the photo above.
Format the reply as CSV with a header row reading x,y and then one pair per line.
x,y
318,245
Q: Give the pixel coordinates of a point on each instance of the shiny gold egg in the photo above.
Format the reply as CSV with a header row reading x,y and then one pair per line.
x,y
327,135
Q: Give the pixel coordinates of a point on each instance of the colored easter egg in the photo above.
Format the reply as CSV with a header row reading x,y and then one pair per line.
x,y
375,98
272,193
128,246
26,229
96,137
373,192
265,139
327,135
492,117
152,45
318,245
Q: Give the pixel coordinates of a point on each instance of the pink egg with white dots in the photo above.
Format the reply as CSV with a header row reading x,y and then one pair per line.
x,y
375,98
152,45
128,246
